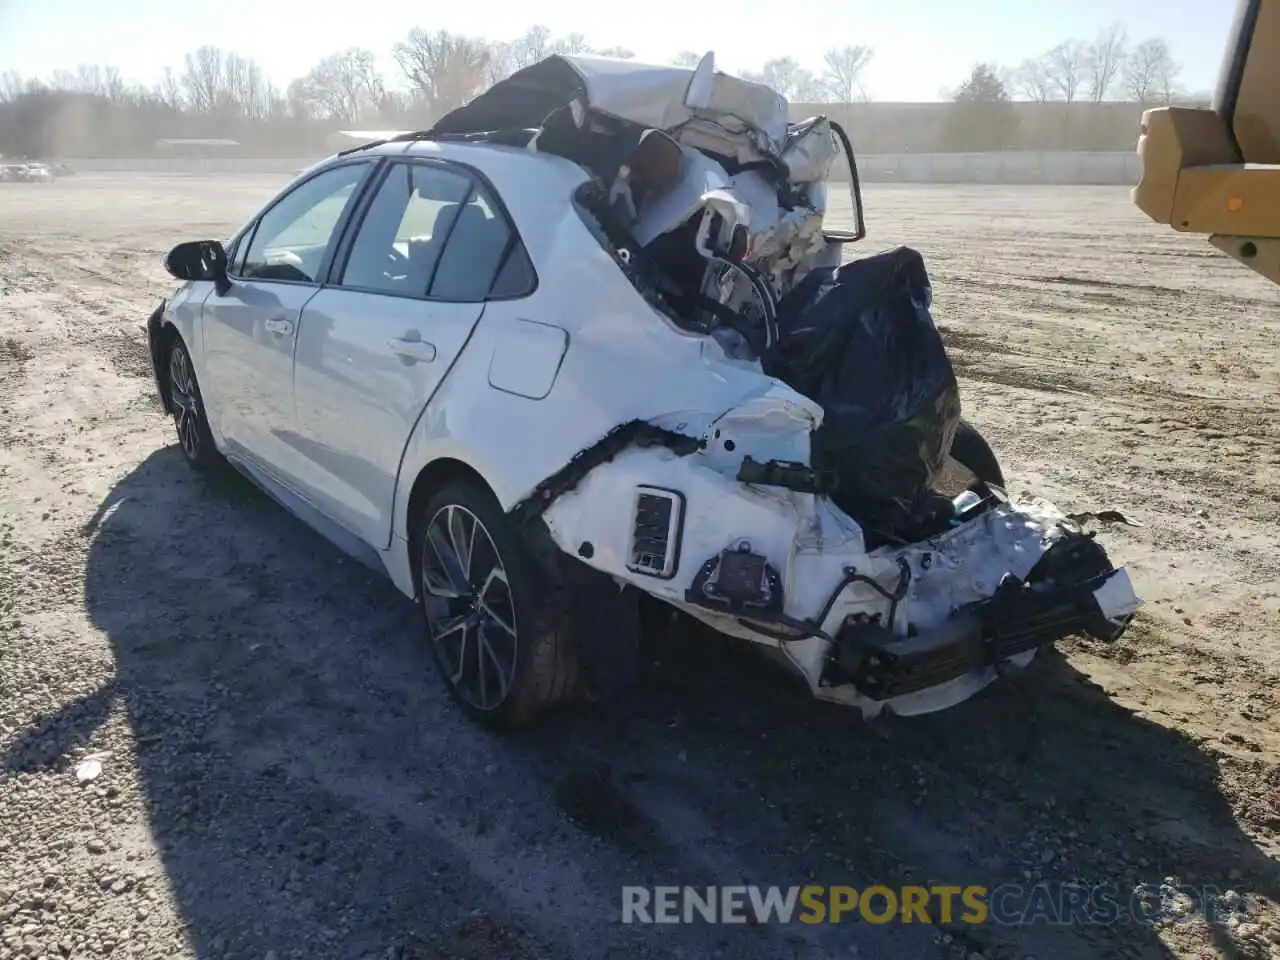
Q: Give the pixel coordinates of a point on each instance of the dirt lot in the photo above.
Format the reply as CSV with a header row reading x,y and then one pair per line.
x,y
284,777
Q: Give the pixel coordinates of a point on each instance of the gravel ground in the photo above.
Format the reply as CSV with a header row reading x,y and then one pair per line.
x,y
282,775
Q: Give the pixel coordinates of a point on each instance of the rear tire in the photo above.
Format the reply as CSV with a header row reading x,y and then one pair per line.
x,y
186,405
495,624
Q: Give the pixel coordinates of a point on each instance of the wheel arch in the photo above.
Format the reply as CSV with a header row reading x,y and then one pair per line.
x,y
433,477
161,335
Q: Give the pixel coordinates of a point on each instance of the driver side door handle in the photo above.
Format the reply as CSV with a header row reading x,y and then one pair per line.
x,y
280,327
413,351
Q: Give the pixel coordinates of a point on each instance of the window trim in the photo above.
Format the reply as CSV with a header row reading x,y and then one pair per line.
x,y
476,178
342,255
513,244
250,233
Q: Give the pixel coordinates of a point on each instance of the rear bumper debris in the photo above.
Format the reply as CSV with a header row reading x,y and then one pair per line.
x,y
915,628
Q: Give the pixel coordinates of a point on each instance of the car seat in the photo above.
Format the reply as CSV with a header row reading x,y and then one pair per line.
x,y
471,259
424,253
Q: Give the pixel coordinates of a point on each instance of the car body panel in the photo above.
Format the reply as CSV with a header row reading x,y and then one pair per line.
x,y
249,337
366,365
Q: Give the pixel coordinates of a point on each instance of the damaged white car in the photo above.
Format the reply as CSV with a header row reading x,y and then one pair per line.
x,y
588,339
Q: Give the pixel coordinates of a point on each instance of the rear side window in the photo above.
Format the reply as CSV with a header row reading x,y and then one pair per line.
x,y
433,231
402,236
515,277
480,242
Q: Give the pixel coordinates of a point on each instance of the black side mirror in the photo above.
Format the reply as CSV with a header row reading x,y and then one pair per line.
x,y
199,260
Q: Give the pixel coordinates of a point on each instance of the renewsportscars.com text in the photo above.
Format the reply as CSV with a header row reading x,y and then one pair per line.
x,y
1007,904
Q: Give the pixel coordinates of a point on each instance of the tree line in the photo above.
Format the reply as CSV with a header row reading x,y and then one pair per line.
x,y
215,93
1106,68
1073,82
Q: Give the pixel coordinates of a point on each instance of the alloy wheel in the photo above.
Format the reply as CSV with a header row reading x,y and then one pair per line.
x,y
185,401
469,608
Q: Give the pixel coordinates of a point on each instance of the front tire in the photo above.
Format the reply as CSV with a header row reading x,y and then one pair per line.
x,y
186,404
492,619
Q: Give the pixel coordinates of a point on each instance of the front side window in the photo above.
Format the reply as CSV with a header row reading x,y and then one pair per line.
x,y
292,237
401,238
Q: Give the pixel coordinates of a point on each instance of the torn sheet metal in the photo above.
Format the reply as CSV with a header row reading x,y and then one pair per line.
x,y
647,95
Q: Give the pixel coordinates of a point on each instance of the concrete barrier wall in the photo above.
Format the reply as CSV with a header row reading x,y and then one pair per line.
x,y
1010,167
1019,167
193,165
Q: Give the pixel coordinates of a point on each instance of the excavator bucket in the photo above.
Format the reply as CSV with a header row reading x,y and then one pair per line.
x,y
1216,171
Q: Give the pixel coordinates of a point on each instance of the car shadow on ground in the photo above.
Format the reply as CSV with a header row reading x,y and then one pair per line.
x,y
313,792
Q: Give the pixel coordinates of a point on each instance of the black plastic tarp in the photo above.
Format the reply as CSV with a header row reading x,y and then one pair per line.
x,y
861,341
521,101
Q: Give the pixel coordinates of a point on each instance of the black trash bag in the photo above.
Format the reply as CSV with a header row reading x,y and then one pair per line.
x,y
860,340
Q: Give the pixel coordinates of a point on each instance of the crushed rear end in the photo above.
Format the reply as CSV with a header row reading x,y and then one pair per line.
x,y
801,506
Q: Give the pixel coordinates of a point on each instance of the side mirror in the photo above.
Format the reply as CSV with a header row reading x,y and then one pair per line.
x,y
199,260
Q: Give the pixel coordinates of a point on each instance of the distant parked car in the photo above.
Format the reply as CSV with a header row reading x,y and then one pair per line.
x,y
40,173
26,172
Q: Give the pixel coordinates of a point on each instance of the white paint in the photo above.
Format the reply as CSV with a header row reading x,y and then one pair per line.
x,y
527,358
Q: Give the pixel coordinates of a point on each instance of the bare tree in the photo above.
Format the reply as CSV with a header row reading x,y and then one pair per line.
x,y
533,45
445,69
1150,74
1030,80
618,53
343,86
110,83
1066,67
394,107
1104,59
789,78
843,77
202,79
298,104
247,94
169,90
226,85
64,80
11,85
686,58
571,43
1167,72
93,79
501,62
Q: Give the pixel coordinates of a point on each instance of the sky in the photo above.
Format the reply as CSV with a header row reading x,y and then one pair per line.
x,y
922,47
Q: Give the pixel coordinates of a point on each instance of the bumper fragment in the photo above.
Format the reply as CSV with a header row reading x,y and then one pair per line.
x,y
1015,621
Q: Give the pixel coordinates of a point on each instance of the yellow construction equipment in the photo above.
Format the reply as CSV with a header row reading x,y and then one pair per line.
x,y
1216,171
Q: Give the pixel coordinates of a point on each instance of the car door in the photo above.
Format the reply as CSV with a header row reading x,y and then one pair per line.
x,y
250,332
407,289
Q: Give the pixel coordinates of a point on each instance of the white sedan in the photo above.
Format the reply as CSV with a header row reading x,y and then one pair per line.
x,y
589,339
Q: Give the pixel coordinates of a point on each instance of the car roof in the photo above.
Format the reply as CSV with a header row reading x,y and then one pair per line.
x,y
536,188
496,161
427,146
